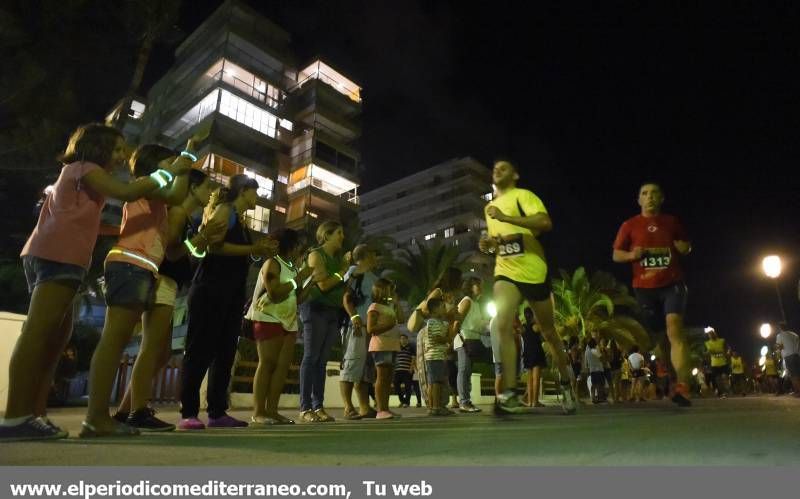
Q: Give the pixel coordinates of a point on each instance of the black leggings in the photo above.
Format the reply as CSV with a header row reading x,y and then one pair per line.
x,y
215,318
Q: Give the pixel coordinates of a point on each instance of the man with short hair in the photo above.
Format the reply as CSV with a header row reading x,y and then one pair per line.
x,y
653,243
789,345
514,218
357,368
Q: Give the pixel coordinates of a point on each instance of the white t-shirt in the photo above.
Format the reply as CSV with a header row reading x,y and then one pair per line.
x,y
594,361
790,342
636,360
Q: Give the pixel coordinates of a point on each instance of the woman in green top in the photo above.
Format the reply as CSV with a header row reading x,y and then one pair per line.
x,y
320,315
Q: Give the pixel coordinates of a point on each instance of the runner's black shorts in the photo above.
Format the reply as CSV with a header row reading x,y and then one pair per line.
x,y
720,370
529,291
657,303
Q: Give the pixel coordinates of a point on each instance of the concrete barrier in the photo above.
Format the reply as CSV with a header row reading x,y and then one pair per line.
x,y
10,329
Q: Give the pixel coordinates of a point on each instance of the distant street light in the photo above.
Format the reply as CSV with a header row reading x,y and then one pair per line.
x,y
695,371
764,350
762,361
653,357
772,266
765,330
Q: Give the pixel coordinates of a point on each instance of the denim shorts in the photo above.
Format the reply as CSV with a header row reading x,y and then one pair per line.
x,y
129,285
436,370
383,358
39,270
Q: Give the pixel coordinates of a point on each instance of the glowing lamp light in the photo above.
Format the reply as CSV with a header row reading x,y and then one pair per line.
x,y
772,266
764,351
708,329
695,371
491,309
765,330
653,357
762,361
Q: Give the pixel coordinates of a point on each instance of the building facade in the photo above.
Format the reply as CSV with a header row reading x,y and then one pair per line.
x,y
441,204
289,126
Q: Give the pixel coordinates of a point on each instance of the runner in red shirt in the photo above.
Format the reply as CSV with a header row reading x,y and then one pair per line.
x,y
654,243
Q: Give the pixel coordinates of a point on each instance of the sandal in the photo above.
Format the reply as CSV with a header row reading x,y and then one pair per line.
x,y
352,415
280,419
120,430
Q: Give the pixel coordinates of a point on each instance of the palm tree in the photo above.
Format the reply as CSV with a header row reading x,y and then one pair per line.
x,y
416,269
584,304
149,21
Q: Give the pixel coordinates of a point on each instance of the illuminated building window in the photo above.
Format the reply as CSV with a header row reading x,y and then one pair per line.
x,y
280,209
313,175
487,196
318,70
265,185
448,232
257,219
430,236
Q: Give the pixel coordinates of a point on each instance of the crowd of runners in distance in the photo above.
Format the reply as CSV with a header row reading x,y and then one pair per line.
x,y
180,232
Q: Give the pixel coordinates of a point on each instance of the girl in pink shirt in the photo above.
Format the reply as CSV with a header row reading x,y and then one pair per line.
x,y
131,269
382,325
56,258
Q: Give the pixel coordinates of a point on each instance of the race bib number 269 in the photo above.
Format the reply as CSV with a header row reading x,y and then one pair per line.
x,y
511,246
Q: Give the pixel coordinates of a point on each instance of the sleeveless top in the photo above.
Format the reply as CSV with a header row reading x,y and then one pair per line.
x,y
181,270
332,297
226,273
285,312
143,235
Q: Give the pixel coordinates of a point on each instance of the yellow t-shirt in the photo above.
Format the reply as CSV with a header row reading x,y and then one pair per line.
x,y
737,366
716,349
770,368
520,256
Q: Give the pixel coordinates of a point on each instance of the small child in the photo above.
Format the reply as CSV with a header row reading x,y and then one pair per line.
x,y
404,360
382,319
436,356
636,361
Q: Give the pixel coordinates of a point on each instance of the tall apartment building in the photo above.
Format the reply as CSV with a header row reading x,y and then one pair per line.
x,y
290,126
443,203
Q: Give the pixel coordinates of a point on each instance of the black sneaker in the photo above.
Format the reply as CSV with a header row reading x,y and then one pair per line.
x,y
146,420
121,417
31,429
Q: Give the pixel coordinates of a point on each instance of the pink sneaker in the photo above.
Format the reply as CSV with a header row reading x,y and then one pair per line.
x,y
384,415
226,422
191,424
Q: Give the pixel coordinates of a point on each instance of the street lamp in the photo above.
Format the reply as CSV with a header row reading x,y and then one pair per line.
x,y
765,330
772,266
764,350
695,371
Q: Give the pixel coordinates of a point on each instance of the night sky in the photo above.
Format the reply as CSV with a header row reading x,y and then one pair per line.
x,y
590,102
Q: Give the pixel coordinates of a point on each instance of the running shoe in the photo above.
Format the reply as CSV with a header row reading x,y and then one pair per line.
x,y
681,395
384,415
508,403
146,420
468,407
120,430
323,416
32,428
309,417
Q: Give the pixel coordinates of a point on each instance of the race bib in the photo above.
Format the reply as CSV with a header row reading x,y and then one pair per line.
x,y
656,258
511,246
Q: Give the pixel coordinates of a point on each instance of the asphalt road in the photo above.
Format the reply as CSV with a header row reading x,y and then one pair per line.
x,y
739,431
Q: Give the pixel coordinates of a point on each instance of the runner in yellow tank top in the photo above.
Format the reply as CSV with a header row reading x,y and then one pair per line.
x,y
514,218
